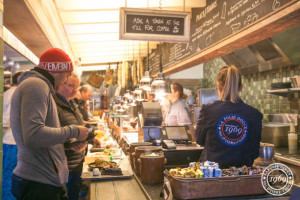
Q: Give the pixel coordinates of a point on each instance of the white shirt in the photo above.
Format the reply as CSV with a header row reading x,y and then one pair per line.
x,y
178,114
8,137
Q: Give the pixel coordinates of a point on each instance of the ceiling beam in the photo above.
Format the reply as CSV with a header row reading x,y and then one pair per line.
x,y
19,20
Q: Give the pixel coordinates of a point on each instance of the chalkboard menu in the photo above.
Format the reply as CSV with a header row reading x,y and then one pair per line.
x,y
212,23
221,18
154,25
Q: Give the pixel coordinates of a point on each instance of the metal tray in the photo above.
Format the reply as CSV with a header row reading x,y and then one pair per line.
x,y
90,176
196,188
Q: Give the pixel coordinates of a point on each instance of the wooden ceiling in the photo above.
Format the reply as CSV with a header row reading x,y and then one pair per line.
x,y
19,20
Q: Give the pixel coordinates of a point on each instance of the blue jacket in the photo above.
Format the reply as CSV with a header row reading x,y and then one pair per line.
x,y
230,133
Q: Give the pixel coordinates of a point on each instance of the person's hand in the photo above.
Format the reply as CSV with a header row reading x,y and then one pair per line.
x,y
97,142
80,146
83,133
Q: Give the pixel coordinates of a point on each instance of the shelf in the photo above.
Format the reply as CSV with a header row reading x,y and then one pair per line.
x,y
283,92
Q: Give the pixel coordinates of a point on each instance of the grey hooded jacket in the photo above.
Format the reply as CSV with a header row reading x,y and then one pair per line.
x,y
36,129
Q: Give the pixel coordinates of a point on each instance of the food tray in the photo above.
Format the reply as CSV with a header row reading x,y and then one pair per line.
x,y
196,188
90,176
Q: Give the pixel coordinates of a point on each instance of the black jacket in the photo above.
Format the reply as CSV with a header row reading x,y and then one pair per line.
x,y
230,133
82,108
70,115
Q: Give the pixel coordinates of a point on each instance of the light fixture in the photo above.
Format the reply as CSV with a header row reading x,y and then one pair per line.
x,y
160,86
145,82
139,94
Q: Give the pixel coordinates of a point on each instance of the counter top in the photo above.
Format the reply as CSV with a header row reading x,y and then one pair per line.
x,y
282,154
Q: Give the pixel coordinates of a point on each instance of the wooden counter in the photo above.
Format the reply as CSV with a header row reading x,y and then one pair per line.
x,y
117,189
127,189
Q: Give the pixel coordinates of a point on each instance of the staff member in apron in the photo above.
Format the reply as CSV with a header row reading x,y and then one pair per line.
x,y
229,129
178,113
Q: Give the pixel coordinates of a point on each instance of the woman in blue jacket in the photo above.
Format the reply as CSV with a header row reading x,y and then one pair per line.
x,y
229,129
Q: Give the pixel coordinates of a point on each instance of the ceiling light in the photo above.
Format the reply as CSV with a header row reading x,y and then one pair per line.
x,y
145,82
160,86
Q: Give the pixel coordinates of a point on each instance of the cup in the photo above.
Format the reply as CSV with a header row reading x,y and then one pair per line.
x,y
293,143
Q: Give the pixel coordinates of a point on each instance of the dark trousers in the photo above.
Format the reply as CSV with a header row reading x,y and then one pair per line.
x,y
24,189
74,185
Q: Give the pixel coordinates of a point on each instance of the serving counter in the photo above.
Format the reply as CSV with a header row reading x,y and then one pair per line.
x,y
291,160
132,187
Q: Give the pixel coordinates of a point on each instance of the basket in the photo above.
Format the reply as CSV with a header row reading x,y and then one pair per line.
x,y
197,188
95,80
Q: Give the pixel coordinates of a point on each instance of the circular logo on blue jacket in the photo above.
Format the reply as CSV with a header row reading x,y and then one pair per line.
x,y
232,129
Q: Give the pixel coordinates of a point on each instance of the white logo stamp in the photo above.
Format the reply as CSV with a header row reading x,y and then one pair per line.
x,y
277,179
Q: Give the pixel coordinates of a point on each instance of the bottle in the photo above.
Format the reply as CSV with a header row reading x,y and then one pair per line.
x,y
292,127
293,143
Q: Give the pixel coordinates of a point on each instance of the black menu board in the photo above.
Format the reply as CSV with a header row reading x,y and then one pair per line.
x,y
212,23
221,18
154,25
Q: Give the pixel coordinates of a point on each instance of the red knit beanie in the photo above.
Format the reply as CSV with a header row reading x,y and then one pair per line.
x,y
55,60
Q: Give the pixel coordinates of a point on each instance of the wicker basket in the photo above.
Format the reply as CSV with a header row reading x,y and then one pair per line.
x,y
95,80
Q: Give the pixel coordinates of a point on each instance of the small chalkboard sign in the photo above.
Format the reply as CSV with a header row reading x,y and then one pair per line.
x,y
154,25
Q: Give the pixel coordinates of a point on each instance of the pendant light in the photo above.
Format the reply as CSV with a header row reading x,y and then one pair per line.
x,y
145,82
160,86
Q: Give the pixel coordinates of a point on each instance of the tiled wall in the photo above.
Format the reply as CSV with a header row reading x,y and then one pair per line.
x,y
255,86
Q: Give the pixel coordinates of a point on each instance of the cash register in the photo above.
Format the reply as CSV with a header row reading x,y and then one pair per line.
x,y
175,135
150,120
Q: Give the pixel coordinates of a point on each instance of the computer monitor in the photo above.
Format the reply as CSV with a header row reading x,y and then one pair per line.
x,y
175,132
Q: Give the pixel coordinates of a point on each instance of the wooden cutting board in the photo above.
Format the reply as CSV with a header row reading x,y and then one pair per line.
x,y
90,176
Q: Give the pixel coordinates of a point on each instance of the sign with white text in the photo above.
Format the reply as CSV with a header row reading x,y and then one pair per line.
x,y
154,25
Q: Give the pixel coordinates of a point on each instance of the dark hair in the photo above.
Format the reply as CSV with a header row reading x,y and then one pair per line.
x,y
230,79
82,83
84,88
15,77
178,88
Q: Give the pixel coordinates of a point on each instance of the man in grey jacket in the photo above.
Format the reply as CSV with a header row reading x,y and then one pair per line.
x,y
42,170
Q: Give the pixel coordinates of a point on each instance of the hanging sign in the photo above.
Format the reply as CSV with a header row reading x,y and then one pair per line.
x,y
154,25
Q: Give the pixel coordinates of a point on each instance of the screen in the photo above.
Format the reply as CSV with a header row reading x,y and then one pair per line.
x,y
176,133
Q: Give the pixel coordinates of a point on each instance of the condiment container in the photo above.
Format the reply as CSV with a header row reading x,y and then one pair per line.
x,y
152,167
131,149
266,151
293,143
138,152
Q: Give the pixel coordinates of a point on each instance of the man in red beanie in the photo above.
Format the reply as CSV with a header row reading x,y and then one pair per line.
x,y
42,170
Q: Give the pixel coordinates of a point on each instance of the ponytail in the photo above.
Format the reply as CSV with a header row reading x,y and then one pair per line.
x,y
230,80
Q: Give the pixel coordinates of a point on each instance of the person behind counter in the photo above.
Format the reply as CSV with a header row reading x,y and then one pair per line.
x,y
229,129
178,113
